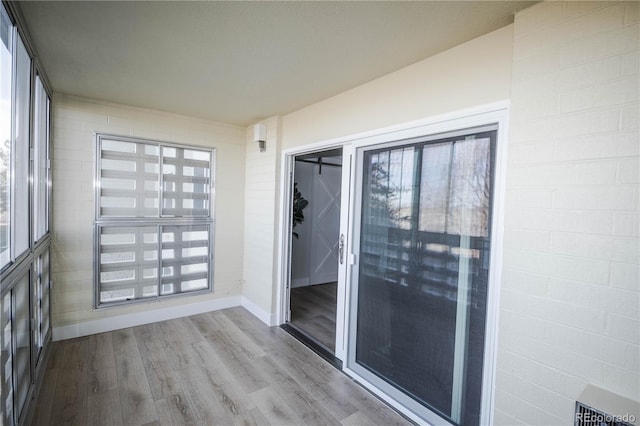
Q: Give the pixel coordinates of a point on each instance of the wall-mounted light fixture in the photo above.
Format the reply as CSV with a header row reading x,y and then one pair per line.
x,y
260,136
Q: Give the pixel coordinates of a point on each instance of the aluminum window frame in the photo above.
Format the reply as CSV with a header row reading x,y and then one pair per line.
x,y
21,265
158,221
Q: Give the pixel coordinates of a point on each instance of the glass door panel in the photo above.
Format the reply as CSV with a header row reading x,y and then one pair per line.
x,y
421,290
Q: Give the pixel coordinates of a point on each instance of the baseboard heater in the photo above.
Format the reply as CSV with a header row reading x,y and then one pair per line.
x,y
599,407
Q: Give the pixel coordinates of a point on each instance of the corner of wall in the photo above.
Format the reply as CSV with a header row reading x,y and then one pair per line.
x,y
75,120
262,176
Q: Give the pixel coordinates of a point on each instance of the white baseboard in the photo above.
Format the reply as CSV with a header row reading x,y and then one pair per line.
x,y
264,316
102,325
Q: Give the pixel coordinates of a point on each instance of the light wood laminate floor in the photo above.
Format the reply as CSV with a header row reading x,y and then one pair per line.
x,y
313,310
219,368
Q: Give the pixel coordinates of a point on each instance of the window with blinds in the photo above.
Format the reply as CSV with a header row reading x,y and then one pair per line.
x,y
154,222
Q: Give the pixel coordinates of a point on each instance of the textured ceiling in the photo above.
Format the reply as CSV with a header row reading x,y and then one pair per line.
x,y
239,62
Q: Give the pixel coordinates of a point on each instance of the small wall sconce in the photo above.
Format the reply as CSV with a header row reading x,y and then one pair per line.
x,y
260,136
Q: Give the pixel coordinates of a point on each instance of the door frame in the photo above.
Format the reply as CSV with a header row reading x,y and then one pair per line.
x,y
496,112
284,237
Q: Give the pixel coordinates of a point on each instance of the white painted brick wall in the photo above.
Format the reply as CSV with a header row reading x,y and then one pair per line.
x,y
260,218
570,303
74,121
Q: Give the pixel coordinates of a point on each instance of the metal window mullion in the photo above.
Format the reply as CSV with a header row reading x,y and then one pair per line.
x,y
160,181
139,254
178,192
159,257
12,146
140,172
177,256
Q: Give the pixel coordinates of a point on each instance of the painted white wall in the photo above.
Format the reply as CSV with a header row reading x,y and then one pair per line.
x,y
261,211
570,299
74,122
569,308
475,73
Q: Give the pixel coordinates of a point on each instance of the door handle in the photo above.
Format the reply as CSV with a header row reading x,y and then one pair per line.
x,y
341,248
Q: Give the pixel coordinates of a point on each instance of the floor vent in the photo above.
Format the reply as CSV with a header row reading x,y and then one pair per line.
x,y
613,409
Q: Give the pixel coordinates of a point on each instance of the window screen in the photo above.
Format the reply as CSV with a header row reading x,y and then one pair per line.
x,y
154,227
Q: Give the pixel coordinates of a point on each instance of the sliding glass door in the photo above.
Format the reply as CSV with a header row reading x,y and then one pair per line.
x,y
419,289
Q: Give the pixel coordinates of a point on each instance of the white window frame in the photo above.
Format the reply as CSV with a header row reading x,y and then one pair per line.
x,y
159,221
24,255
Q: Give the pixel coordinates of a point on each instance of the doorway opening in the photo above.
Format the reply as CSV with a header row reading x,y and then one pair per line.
x,y
315,249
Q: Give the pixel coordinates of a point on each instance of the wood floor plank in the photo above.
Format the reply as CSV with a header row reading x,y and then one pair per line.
x,y
356,419
235,335
297,396
42,415
175,410
104,408
371,407
160,375
313,310
229,392
70,400
238,362
57,355
200,387
200,391
274,408
101,364
136,399
204,324
175,338
258,418
220,368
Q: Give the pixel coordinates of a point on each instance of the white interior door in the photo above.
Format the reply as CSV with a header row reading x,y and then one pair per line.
x,y
325,224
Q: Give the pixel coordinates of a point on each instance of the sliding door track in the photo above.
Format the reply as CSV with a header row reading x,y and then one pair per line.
x,y
312,344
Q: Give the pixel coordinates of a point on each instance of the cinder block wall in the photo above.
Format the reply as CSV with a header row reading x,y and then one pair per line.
x,y
74,122
570,294
260,222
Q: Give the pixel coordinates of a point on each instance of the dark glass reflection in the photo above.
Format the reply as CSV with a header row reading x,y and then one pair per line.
x,y
423,270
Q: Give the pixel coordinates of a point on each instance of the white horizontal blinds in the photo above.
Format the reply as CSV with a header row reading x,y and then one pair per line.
x,y
154,220
186,182
128,179
185,258
128,262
